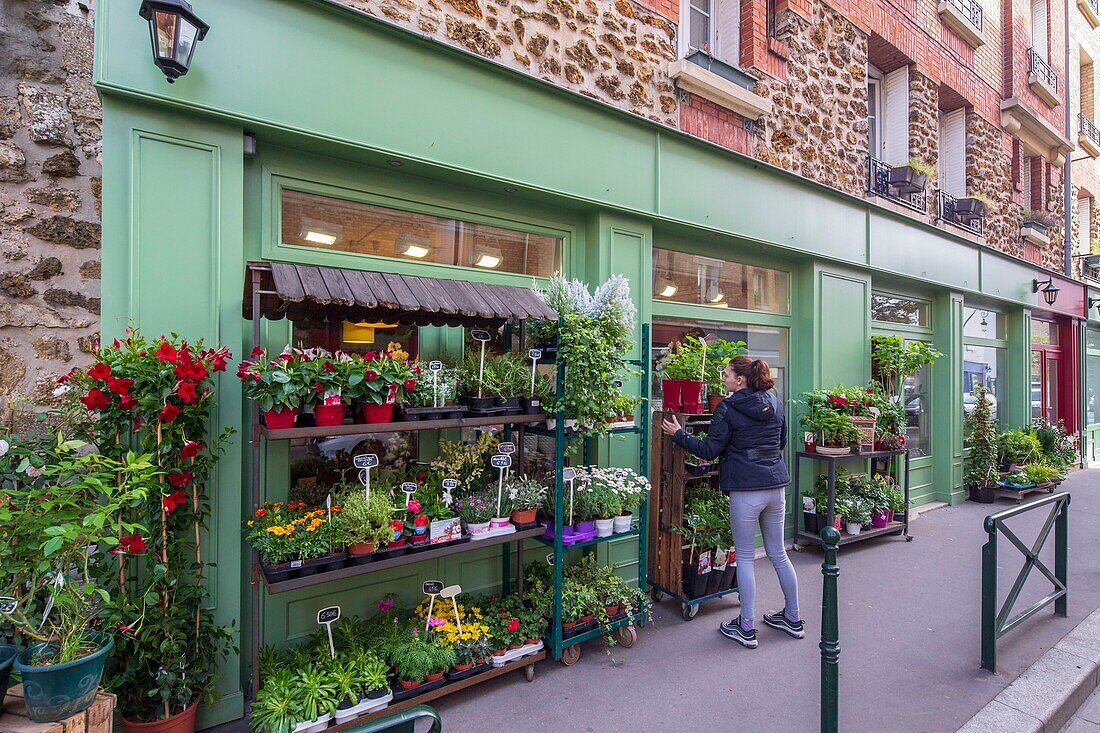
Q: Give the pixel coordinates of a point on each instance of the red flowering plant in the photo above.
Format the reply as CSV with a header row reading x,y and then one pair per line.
x,y
323,376
156,397
381,377
278,383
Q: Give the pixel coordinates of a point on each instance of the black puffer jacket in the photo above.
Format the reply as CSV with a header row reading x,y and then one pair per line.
x,y
748,433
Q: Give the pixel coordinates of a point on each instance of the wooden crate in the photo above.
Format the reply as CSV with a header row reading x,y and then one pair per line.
x,y
96,719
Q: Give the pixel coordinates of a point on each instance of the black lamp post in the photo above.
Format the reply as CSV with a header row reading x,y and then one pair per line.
x,y
174,29
1050,290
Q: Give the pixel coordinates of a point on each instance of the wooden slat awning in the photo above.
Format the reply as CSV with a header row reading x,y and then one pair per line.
x,y
312,293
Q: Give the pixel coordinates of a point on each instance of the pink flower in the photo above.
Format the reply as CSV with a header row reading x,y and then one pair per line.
x,y
414,506
385,604
435,622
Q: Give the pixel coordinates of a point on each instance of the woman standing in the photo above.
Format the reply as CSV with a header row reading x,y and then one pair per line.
x,y
749,432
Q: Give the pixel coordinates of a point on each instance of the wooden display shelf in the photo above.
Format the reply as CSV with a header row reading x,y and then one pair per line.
x,y
393,562
446,689
400,427
864,534
96,719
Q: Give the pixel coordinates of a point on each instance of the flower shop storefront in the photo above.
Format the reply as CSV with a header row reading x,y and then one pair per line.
x,y
343,168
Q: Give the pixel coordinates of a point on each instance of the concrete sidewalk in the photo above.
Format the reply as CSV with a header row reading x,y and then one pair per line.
x,y
909,620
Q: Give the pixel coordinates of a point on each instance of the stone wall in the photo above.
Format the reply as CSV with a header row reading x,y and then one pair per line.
x,y
989,174
924,128
610,50
50,142
818,128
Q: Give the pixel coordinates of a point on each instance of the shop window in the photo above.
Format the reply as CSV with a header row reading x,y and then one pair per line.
x,y
984,365
894,309
1092,378
1044,332
762,342
979,323
917,400
333,224
679,277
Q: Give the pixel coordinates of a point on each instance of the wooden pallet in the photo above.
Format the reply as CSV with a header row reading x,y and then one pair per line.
x,y
96,719
1018,495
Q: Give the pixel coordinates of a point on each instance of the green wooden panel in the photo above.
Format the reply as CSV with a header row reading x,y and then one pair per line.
x,y
1007,278
900,247
843,328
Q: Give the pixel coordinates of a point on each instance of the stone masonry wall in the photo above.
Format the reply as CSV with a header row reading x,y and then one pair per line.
x,y
819,125
989,174
611,50
50,144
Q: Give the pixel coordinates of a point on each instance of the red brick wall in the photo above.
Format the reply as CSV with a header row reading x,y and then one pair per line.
x,y
668,8
707,120
1016,38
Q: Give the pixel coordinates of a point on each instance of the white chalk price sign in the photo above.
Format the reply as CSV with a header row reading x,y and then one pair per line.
x,y
550,559
326,617
501,462
435,367
432,587
365,462
8,604
482,337
534,355
409,488
449,485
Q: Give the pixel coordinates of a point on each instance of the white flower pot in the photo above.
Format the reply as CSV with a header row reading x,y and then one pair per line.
x,y
852,527
343,716
313,726
499,522
477,527
604,527
622,523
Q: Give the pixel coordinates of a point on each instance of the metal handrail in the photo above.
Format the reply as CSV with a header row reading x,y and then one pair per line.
x,y
1039,66
971,10
996,622
945,211
878,183
1087,127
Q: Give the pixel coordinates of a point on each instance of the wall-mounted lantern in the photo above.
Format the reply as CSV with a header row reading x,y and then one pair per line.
x,y
175,30
1050,290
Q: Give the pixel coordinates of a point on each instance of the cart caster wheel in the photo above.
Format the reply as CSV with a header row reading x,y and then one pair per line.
x,y
909,538
570,655
626,636
529,672
689,610
796,547
656,595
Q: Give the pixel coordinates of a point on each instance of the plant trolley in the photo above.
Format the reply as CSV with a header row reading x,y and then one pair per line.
x,y
676,473
275,291
892,527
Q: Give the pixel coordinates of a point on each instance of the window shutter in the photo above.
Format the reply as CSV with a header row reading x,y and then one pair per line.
x,y
953,153
1025,181
728,31
1039,27
1084,224
896,122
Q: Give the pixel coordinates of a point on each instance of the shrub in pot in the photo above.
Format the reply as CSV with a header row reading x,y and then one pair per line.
x,y
414,660
57,505
277,385
374,676
364,523
980,463
277,708
526,495
325,376
318,696
912,177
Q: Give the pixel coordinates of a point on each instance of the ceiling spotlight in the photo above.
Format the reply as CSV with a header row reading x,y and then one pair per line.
x,y
408,244
668,289
396,163
487,257
320,232
509,189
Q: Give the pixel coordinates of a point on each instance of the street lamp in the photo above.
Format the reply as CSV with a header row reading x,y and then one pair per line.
x,y
1050,290
174,30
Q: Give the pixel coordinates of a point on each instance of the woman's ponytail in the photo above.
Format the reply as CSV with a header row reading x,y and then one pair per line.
x,y
755,371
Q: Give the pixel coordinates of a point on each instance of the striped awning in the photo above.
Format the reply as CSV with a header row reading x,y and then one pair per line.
x,y
311,293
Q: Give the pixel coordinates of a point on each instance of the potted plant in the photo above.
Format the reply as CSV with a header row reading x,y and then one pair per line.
x,y
507,377
434,395
502,509
414,660
379,380
837,433
374,676
277,385
318,697
58,506
683,367
1017,447
1040,221
911,177
472,385
980,462
1016,480
632,488
973,207
364,523
607,505
475,511
719,354
855,512
324,376
277,707
525,495
346,675
584,508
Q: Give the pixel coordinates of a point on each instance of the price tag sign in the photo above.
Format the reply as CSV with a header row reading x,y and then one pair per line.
x,y
506,448
452,591
366,460
432,587
8,604
501,461
450,484
435,366
619,473
326,617
550,559
535,354
479,335
482,337
568,474
409,488
617,384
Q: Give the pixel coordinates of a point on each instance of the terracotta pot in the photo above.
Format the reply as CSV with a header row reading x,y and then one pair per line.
x,y
585,618
375,414
530,642
463,667
360,548
514,646
611,610
713,401
524,516
433,677
498,652
409,684
181,722
566,625
329,415
479,661
281,418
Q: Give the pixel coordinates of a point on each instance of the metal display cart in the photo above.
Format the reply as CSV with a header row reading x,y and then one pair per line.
x,y
893,527
277,290
667,511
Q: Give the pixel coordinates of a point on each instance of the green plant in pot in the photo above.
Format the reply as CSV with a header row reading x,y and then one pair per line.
x,y
719,354
374,674
364,523
414,660
277,707
525,495
980,462
49,518
682,375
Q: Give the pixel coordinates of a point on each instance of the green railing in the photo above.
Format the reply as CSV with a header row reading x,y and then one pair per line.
x,y
996,622
830,634
403,721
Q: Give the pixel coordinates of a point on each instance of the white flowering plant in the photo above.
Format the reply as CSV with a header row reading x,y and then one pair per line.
x,y
621,488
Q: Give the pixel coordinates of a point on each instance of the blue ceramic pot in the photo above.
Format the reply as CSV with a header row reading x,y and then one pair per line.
x,y
56,691
7,656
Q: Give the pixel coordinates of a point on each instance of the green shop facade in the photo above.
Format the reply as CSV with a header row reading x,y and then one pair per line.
x,y
306,132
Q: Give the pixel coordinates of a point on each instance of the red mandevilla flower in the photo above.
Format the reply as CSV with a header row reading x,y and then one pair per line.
x,y
318,388
285,358
371,375
328,367
190,449
127,403
176,480
130,545
410,384
96,399
173,501
167,352
99,371
186,392
513,624
218,360
169,413
119,386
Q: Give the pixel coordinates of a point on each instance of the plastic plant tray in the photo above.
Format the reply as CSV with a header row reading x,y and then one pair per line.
x,y
514,654
499,532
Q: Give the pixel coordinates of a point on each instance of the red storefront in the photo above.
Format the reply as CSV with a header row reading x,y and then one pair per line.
x,y
1055,349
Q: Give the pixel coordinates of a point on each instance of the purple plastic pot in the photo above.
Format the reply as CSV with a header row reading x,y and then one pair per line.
x,y
879,519
586,527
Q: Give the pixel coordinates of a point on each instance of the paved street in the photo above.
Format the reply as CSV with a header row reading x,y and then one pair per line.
x,y
909,640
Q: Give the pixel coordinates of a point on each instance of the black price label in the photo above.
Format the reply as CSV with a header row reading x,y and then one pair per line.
x,y
501,461
506,448
450,484
479,335
432,587
568,474
550,559
8,605
435,366
328,615
535,354
366,460
408,487
617,384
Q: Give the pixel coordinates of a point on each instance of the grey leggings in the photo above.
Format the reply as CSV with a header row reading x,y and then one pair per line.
x,y
766,507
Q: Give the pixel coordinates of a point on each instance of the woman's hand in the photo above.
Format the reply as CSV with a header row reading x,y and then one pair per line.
x,y
670,426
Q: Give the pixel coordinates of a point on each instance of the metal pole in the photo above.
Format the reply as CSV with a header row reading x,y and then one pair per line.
x,y
989,597
830,634
254,555
1061,555
1067,167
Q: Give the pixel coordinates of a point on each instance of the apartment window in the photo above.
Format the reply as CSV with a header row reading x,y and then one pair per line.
x,y
952,159
714,27
874,111
1039,28
1084,226
1025,183
888,115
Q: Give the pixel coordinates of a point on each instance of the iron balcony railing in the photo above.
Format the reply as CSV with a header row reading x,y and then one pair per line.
x,y
946,211
1088,128
1038,66
878,183
970,10
1095,5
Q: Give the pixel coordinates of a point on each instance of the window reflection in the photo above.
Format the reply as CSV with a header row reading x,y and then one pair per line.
x,y
684,278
